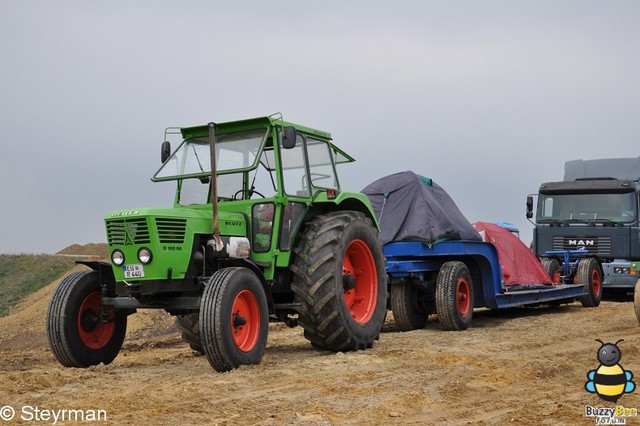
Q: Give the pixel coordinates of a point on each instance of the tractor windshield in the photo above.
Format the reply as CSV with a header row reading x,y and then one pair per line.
x,y
235,152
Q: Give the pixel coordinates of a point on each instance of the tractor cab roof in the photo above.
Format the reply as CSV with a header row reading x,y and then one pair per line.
x,y
274,120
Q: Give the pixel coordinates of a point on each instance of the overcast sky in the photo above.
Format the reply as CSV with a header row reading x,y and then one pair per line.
x,y
488,98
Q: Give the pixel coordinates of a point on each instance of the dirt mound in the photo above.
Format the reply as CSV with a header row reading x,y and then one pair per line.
x,y
518,366
100,250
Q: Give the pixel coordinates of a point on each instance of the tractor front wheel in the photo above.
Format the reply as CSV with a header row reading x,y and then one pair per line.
x,y
79,336
590,275
454,296
234,319
340,282
189,327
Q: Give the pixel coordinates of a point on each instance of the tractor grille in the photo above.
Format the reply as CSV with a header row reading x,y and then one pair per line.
x,y
171,231
128,232
596,245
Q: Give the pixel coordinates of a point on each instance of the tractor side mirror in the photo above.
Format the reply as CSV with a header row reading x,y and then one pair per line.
x,y
529,207
289,137
165,151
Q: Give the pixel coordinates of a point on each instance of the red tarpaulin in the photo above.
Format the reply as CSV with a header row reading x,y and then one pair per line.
x,y
519,265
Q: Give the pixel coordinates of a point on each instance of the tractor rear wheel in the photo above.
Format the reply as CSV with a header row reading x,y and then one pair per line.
x,y
636,300
590,275
340,282
409,306
76,335
234,319
189,327
553,268
454,296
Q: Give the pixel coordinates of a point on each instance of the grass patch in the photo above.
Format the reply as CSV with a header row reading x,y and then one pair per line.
x,y
23,274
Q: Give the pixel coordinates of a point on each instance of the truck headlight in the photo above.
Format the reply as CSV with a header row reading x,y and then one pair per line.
x,y
117,257
144,255
620,270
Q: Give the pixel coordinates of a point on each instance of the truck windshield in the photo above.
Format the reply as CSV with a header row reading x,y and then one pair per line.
x,y
586,208
234,152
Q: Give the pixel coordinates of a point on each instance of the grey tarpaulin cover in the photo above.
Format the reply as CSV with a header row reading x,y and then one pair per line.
x,y
412,207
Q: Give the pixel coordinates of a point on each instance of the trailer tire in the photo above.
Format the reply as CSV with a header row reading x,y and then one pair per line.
x,y
636,300
234,319
75,336
454,296
553,268
590,275
340,282
189,327
408,306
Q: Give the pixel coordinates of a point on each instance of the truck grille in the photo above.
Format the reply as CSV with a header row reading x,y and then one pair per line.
x,y
171,231
596,245
128,232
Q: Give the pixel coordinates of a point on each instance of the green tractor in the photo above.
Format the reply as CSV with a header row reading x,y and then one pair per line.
x,y
266,235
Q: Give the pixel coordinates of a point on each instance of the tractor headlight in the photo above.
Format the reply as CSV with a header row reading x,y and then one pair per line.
x,y
117,257
144,255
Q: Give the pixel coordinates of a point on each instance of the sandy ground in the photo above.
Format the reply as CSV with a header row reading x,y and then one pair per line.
x,y
521,366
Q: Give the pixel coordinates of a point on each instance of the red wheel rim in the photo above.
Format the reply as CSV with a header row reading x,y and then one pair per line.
x,y
245,320
596,282
463,297
362,298
555,278
94,335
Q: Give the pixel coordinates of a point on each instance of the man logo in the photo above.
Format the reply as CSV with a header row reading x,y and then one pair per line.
x,y
581,244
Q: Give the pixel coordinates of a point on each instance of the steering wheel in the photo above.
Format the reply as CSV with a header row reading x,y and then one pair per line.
x,y
250,192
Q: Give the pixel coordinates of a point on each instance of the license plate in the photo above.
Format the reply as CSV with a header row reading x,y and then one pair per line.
x,y
133,271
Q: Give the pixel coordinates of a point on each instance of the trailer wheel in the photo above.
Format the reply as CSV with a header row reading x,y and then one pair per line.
x,y
454,296
553,268
340,282
76,336
409,306
234,319
636,300
189,327
590,275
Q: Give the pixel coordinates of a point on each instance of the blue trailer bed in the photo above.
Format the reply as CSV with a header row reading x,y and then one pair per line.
x,y
414,264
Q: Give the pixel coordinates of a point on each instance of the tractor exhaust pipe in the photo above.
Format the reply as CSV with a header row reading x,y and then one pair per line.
x,y
219,245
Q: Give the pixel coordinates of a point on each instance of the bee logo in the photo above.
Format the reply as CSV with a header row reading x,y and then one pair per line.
x,y
610,381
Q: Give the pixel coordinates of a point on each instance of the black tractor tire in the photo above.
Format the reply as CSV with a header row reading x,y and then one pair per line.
x,y
454,296
340,281
590,274
189,327
75,335
553,268
234,319
408,306
636,300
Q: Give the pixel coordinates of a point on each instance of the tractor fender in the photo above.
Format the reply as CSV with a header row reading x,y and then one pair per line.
x,y
246,263
105,269
355,201
105,273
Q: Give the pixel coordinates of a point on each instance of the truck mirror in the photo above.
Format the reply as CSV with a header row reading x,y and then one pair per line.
x,y
165,151
289,137
529,207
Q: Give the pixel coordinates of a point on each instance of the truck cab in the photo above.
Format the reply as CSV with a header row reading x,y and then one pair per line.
x,y
592,213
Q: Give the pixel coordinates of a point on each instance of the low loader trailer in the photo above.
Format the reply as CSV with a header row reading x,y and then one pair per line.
x,y
439,263
451,278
